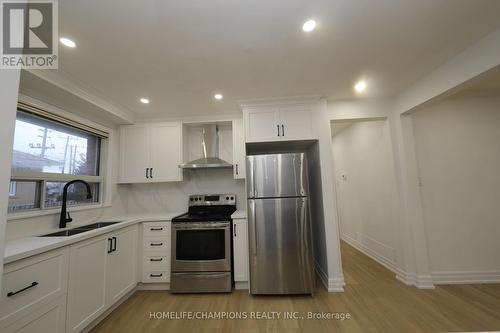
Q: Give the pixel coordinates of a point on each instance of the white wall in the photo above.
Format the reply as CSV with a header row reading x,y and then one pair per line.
x,y
367,195
458,151
317,216
173,196
359,109
9,85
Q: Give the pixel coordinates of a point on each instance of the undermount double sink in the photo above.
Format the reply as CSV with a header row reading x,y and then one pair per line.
x,y
78,230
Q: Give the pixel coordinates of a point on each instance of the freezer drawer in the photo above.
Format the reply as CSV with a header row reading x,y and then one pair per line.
x,y
281,260
277,175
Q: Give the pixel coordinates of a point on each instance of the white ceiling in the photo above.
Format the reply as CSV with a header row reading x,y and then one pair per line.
x,y
178,53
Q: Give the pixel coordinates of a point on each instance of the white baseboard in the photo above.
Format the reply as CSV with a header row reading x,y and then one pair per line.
x,y
465,277
386,262
331,284
420,281
448,277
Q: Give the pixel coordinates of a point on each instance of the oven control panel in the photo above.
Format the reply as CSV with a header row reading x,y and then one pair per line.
x,y
212,199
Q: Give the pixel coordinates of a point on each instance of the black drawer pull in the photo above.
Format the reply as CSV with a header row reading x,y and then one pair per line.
x,y
12,293
155,275
156,244
152,259
156,229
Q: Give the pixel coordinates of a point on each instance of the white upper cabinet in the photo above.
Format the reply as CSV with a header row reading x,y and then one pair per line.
x,y
262,124
239,153
150,153
166,152
296,123
134,156
278,123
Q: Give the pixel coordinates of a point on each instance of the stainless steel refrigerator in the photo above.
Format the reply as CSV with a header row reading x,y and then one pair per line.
x,y
279,224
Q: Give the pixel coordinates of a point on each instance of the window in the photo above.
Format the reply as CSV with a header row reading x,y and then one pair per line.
x,y
47,154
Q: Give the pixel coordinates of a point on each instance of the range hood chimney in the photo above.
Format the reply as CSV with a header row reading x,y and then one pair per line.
x,y
210,151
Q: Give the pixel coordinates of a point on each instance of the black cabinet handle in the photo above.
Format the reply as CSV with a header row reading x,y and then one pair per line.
x,y
282,130
12,293
278,126
150,172
237,172
147,176
114,247
156,229
155,275
153,259
234,229
156,244
110,245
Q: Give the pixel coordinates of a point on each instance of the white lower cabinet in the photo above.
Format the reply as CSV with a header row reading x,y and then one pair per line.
x,y
102,269
156,252
29,286
50,318
66,289
87,282
240,250
121,266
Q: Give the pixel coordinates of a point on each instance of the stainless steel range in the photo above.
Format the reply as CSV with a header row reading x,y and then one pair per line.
x,y
201,245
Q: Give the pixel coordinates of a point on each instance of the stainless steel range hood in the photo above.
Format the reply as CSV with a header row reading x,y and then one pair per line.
x,y
210,150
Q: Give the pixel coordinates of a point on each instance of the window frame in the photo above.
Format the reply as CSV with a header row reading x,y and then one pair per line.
x,y
12,188
43,177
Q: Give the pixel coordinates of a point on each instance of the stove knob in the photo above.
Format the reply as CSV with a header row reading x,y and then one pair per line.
x,y
191,199
232,198
227,198
195,199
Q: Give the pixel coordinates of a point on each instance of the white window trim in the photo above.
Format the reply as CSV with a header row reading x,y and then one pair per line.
x,y
105,172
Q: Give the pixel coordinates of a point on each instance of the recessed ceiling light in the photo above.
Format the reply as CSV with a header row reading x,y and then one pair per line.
x,y
309,26
144,100
218,96
360,86
67,42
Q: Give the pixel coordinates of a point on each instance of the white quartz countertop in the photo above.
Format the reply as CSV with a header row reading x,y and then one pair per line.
x,y
239,214
25,247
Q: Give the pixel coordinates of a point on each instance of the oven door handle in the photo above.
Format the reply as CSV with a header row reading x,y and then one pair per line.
x,y
198,226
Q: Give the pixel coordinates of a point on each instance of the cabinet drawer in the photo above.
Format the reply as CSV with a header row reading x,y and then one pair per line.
x,y
48,318
156,229
155,261
32,282
158,245
152,276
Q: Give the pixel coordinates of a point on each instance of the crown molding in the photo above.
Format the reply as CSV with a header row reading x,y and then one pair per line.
x,y
293,100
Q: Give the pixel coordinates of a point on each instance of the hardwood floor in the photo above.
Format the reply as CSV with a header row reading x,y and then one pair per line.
x,y
375,300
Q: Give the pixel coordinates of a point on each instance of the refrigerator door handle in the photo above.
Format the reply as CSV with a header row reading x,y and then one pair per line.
x,y
252,192
254,225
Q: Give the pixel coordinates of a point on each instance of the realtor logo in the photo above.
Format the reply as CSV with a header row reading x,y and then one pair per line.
x,y
29,34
